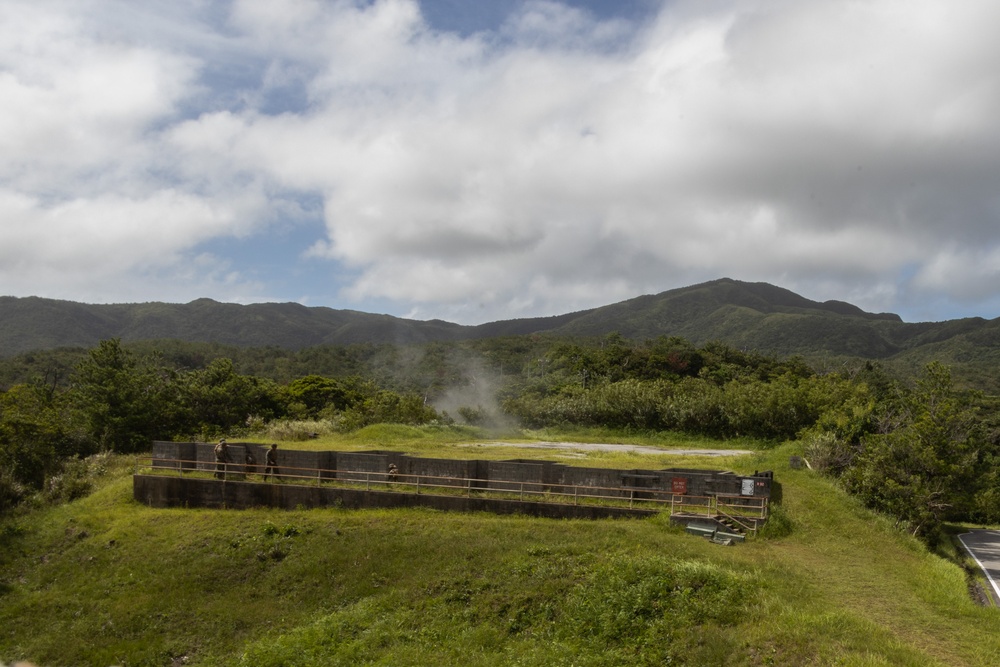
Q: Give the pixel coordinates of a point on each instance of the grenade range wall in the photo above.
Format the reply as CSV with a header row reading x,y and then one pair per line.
x,y
493,475
158,491
240,486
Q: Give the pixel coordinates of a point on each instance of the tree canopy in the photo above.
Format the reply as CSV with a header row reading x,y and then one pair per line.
x,y
922,452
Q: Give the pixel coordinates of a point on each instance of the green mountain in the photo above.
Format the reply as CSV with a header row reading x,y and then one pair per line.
x,y
750,315
755,316
32,323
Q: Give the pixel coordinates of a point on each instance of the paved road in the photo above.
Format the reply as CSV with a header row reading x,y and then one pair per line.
x,y
593,446
984,545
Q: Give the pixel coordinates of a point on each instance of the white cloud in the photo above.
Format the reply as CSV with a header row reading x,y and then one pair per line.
x,y
75,106
557,163
677,148
967,274
103,237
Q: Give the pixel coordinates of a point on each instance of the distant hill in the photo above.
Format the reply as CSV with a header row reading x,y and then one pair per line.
x,y
754,316
32,323
750,315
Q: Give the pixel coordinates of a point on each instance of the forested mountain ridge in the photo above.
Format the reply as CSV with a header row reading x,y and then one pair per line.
x,y
756,316
864,421
32,323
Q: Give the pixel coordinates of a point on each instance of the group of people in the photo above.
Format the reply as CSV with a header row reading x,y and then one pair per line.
x,y
222,460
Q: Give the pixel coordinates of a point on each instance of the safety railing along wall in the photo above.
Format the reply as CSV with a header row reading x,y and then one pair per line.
x,y
680,481
748,512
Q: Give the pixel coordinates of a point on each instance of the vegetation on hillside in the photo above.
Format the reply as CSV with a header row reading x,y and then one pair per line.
x,y
746,316
923,452
103,580
111,582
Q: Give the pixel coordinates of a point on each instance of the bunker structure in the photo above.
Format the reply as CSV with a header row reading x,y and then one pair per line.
x,y
716,504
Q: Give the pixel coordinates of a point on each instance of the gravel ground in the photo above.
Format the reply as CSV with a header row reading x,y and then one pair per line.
x,y
592,446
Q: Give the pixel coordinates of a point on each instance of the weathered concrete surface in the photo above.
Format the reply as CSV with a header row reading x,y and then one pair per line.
x,y
502,475
178,491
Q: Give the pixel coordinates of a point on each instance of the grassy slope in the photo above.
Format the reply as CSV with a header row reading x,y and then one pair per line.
x,y
106,581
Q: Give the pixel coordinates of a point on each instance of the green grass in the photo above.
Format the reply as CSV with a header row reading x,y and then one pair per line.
x,y
466,442
104,580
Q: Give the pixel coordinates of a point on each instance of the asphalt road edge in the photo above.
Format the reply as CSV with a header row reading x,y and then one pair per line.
x,y
994,595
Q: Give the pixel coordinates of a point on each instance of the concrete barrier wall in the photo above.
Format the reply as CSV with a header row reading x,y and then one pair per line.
x,y
175,455
447,472
509,475
361,465
165,492
497,475
306,464
602,477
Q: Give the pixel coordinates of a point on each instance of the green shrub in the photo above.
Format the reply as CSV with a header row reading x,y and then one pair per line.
x,y
75,481
646,611
290,430
827,453
12,493
778,524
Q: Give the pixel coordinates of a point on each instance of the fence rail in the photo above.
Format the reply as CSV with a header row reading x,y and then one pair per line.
x,y
745,511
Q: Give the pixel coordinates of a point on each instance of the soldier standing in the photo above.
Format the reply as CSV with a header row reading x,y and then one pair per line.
x,y
221,459
271,462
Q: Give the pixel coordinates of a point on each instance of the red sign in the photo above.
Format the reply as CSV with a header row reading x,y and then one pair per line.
x,y
679,485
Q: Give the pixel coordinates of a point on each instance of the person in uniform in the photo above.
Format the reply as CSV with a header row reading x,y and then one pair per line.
x,y
221,459
271,462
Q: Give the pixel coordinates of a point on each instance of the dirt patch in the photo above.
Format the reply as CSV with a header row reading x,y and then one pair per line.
x,y
607,447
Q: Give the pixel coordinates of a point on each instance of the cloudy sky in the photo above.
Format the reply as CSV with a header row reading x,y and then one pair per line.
x,y
476,161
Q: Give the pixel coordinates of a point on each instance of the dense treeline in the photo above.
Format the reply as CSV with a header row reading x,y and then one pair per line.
x,y
114,400
924,453
667,384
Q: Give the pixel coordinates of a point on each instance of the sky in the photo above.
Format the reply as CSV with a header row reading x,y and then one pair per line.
x,y
477,161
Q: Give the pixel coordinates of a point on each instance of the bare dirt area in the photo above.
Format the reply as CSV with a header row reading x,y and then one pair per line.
x,y
608,447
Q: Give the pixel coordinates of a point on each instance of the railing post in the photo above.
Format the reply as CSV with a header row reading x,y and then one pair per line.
x,y
368,481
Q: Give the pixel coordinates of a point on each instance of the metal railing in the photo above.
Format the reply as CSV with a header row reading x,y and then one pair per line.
x,y
746,511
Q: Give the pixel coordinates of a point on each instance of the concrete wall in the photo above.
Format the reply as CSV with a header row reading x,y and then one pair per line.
x,y
361,466
511,475
603,478
169,491
447,472
175,455
497,475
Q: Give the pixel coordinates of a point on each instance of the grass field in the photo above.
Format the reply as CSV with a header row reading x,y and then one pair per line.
x,y
106,581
